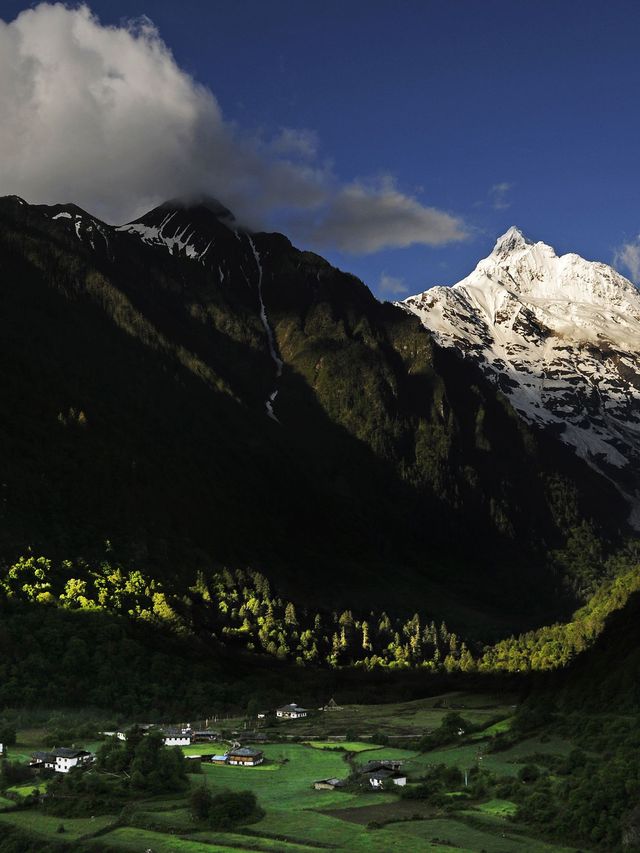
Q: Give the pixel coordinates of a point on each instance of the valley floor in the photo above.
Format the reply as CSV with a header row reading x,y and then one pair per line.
x,y
300,819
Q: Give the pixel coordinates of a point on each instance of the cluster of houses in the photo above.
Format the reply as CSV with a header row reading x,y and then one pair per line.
x,y
172,736
186,735
381,774
64,759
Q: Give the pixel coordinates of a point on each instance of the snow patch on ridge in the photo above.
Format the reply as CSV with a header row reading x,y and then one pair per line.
x,y
184,240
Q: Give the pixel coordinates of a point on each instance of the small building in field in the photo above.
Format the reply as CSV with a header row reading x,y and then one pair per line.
x,y
176,737
381,779
291,712
331,705
122,734
245,756
218,759
204,737
61,759
328,784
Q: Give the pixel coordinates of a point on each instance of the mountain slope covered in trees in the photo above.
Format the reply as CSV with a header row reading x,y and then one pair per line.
x,y
201,396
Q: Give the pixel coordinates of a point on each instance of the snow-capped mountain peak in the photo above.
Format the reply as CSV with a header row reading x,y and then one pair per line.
x,y
560,336
512,240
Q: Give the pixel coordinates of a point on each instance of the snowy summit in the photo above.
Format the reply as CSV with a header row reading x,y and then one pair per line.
x,y
560,336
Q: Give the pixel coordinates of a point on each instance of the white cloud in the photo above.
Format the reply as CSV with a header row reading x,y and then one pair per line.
x,y
498,195
368,217
103,116
627,257
392,285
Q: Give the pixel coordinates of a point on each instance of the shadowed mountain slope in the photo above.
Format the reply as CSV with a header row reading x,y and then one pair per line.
x,y
200,395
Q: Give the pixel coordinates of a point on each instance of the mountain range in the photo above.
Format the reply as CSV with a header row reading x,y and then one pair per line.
x,y
194,394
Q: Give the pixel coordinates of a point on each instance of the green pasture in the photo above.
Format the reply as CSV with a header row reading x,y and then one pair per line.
x,y
447,834
497,808
346,746
285,782
26,790
205,749
495,729
410,719
139,840
506,763
34,821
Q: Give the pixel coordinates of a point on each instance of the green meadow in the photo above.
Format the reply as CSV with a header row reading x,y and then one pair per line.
x,y
398,719
345,745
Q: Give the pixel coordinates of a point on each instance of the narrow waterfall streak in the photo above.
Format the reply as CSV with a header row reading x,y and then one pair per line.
x,y
271,341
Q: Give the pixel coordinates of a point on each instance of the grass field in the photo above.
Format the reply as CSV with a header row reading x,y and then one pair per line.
x,y
299,815
46,825
402,719
497,808
447,833
496,729
345,745
26,790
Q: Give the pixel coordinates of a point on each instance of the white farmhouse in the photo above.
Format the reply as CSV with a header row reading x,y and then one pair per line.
x,y
61,759
385,778
245,756
291,712
176,737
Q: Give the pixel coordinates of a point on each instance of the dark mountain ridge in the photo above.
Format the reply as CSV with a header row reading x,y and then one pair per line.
x,y
136,367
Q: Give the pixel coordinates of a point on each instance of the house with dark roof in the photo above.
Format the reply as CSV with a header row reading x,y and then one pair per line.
x,y
245,756
204,737
61,759
381,779
176,737
291,712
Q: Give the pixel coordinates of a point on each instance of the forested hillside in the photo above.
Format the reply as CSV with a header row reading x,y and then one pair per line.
x,y
136,373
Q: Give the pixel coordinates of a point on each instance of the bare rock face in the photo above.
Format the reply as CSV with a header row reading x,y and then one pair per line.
x,y
560,337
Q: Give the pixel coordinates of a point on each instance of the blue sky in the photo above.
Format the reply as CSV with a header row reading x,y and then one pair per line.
x,y
495,112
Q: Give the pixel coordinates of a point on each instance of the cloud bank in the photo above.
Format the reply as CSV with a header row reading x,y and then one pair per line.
x,y
627,258
103,116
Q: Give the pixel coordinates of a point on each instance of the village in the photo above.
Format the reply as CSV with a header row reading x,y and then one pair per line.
x,y
237,753
352,778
